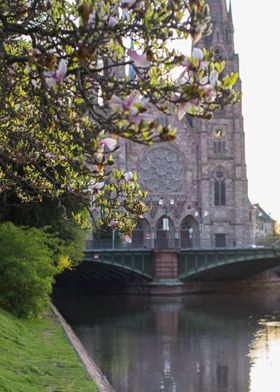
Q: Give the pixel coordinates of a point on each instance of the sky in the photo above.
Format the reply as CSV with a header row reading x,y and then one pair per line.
x,y
257,41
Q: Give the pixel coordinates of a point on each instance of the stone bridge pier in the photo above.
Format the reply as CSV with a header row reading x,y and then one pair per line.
x,y
165,264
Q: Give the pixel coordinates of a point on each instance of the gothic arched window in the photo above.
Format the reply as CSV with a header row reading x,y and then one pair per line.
x,y
219,188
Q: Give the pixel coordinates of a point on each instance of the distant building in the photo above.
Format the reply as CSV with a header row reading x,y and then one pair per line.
x,y
197,184
265,225
277,227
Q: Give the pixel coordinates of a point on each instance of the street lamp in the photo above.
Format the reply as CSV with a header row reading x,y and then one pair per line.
x,y
113,238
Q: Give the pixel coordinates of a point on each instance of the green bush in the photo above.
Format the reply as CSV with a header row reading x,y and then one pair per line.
x,y
56,218
26,270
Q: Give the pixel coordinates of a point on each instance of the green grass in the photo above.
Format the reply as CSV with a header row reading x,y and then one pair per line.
x,y
35,356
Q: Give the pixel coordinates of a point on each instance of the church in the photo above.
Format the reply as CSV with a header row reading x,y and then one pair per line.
x,y
197,184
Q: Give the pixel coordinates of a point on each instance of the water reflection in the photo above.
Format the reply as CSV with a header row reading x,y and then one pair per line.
x,y
265,356
213,343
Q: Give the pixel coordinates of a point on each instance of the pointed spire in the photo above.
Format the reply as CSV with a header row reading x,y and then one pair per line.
x,y
218,10
230,18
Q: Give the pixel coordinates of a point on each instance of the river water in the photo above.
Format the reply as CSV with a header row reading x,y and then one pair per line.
x,y
198,343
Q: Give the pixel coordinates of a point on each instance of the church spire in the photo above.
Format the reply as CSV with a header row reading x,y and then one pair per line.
x,y
230,19
218,10
222,38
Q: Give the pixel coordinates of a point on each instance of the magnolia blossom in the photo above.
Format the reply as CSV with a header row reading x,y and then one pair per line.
x,y
125,104
131,107
203,81
54,77
213,78
96,186
112,21
128,176
209,93
191,66
128,238
197,54
140,60
186,107
91,18
34,83
48,155
109,142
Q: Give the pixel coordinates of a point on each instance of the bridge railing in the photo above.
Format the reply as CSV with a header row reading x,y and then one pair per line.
x,y
179,241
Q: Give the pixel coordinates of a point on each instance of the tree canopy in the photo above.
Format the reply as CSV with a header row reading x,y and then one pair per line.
x,y
66,96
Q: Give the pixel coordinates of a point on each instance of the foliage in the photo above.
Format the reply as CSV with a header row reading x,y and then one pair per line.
x,y
35,357
66,100
59,219
26,270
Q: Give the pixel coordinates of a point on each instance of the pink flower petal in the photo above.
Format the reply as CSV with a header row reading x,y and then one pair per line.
x,y
97,185
140,60
197,54
203,81
128,238
61,71
130,100
112,21
51,82
109,143
182,110
128,176
213,78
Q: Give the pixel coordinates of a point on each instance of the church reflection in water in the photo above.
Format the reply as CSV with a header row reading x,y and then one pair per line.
x,y
209,343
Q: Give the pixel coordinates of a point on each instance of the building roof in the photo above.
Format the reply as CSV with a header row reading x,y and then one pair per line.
x,y
261,215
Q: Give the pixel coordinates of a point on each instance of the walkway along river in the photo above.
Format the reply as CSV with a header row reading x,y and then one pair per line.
x,y
199,343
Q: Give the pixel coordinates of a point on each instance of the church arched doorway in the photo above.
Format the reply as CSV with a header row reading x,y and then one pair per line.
x,y
190,236
165,232
141,236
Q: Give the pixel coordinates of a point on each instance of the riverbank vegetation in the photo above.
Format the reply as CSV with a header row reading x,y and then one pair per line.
x,y
35,357
29,260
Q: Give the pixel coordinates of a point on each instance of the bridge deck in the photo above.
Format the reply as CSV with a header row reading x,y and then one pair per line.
x,y
195,264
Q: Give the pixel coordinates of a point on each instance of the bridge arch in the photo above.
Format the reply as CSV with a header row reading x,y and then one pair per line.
x,y
189,233
229,264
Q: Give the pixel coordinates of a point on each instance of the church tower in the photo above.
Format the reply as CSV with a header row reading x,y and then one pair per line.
x,y
197,184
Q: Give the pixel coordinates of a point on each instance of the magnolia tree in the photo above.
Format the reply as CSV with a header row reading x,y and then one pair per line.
x,y
66,98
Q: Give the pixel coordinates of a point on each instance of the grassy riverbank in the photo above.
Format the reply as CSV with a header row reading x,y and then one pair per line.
x,y
35,356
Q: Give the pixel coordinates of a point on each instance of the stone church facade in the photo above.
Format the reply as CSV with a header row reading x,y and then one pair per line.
x,y
197,184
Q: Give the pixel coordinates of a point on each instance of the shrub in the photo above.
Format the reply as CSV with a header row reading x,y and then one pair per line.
x,y
26,270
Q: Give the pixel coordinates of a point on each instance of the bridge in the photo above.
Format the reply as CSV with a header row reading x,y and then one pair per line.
x,y
138,265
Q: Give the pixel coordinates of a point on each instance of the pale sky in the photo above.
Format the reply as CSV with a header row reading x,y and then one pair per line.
x,y
257,43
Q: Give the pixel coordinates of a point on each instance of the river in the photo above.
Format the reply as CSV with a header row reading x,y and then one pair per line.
x,y
197,343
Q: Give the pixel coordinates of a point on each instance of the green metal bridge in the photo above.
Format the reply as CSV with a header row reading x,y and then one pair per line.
x,y
120,265
226,264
